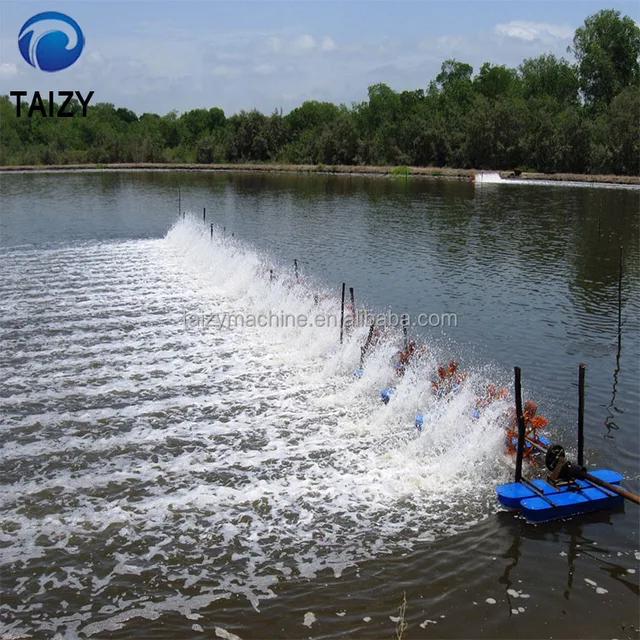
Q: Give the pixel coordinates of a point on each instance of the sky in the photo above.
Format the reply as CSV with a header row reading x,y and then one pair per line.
x,y
157,56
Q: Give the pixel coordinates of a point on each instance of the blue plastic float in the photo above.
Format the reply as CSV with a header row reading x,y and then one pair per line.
x,y
386,394
538,500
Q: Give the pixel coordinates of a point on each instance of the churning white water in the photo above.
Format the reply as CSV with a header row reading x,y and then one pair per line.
x,y
492,177
152,463
488,178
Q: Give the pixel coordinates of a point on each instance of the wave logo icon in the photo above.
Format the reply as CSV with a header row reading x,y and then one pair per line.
x,y
51,41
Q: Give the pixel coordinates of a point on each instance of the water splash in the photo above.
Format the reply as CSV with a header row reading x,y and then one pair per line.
x,y
489,178
492,177
137,450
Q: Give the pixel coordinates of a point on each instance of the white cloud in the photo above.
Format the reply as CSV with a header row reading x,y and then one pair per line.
x,y
274,44
328,44
292,45
95,57
8,70
529,31
353,48
224,71
231,56
304,43
264,69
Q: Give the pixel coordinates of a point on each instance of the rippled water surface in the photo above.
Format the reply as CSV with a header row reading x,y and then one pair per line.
x,y
169,474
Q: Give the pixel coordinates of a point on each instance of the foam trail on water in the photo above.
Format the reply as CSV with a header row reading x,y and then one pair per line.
x,y
139,448
492,177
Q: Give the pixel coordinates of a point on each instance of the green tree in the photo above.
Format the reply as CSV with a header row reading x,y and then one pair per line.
x,y
624,132
453,95
548,76
454,76
126,114
193,124
247,138
310,115
495,133
496,81
607,48
338,143
216,118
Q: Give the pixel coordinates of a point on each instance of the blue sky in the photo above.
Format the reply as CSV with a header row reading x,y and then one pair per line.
x,y
157,56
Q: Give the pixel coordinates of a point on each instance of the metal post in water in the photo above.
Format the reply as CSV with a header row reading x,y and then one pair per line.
x,y
581,370
521,425
344,286
211,230
295,269
353,305
204,213
270,275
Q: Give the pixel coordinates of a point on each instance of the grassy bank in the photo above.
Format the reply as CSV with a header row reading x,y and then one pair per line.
x,y
429,172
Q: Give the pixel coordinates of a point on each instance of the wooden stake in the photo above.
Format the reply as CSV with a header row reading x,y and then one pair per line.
x,y
344,285
353,305
581,371
367,344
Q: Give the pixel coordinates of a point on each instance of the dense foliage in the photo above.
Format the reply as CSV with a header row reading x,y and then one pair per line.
x,y
547,115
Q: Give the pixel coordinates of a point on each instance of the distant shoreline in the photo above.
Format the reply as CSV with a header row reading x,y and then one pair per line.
x,y
421,172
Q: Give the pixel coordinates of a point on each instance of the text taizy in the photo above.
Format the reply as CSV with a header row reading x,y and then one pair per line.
x,y
49,110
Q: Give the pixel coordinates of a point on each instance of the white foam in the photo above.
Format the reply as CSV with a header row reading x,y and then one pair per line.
x,y
492,177
309,619
488,178
251,449
226,635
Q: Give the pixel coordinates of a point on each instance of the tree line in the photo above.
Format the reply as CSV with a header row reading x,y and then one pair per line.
x,y
547,115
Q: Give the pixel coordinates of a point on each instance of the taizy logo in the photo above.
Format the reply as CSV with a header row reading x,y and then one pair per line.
x,y
51,41
44,46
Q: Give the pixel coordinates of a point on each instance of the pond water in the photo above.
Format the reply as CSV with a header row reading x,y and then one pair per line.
x,y
169,468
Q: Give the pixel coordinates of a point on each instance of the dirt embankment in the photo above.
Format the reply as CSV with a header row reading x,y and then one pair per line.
x,y
433,172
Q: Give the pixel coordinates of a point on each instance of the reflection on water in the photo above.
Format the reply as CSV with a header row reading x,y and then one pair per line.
x,y
573,541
